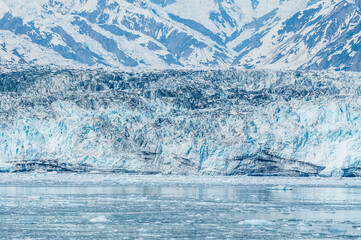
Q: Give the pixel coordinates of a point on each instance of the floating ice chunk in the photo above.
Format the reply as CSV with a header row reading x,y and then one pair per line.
x,y
336,230
100,219
34,197
294,220
255,222
357,227
280,187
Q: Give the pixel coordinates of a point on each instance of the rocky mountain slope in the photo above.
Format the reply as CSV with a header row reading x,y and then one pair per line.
x,y
278,34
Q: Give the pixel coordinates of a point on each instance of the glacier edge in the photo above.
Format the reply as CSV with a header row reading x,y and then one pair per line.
x,y
224,122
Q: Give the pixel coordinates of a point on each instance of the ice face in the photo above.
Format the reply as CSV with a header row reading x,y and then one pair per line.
x,y
182,122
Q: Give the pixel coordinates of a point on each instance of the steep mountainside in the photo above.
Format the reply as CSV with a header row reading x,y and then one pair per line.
x,y
280,34
324,36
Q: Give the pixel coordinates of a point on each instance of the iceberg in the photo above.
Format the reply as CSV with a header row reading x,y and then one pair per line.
x,y
255,222
100,219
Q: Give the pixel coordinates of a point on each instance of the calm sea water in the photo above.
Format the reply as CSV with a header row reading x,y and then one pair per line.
x,y
175,211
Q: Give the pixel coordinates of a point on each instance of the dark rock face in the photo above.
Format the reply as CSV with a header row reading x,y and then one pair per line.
x,y
50,166
265,164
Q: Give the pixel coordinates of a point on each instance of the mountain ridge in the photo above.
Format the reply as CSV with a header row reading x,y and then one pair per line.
x,y
159,34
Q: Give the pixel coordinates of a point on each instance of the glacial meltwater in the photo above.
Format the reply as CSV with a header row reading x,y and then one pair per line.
x,y
95,206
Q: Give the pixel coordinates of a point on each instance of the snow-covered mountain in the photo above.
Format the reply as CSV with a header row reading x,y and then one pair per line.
x,y
280,34
324,36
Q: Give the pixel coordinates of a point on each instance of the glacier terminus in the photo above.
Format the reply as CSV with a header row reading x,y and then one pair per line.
x,y
229,122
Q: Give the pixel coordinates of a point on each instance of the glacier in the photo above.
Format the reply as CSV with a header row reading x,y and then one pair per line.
x,y
184,122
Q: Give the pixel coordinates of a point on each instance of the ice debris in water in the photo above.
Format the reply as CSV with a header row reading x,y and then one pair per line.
x,y
280,187
100,219
357,227
255,222
336,230
34,197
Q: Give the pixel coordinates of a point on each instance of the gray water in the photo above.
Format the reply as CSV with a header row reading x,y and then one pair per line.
x,y
175,211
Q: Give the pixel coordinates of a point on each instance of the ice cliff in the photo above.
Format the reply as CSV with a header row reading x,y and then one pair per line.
x,y
181,122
